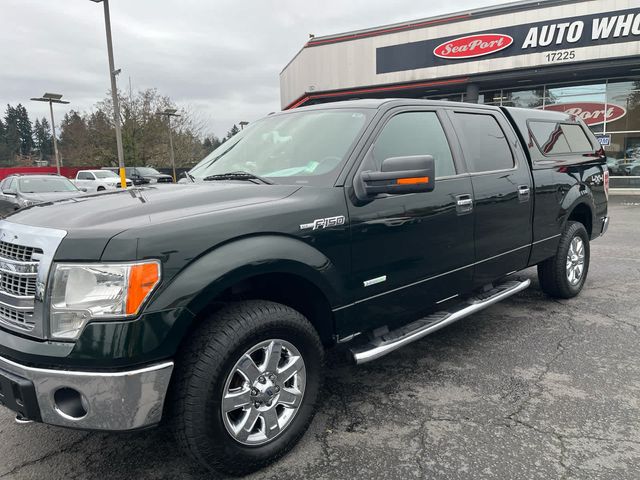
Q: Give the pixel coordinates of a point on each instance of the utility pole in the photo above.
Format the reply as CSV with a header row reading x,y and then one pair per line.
x,y
170,112
52,98
114,93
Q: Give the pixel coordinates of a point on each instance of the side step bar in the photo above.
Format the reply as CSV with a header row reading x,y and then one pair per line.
x,y
421,328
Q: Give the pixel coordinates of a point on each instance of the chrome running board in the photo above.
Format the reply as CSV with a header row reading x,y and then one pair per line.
x,y
391,341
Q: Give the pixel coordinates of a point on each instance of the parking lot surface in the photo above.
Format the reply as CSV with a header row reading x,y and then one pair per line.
x,y
530,388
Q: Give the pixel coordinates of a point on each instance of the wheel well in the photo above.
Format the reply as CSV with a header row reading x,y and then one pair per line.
x,y
582,214
287,289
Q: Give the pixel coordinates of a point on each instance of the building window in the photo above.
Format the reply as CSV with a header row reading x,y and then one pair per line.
x,y
524,98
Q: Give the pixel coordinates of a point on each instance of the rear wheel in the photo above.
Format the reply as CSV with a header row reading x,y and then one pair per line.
x,y
563,276
246,386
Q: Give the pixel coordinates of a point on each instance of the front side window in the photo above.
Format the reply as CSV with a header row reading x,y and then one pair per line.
x,y
105,174
484,143
306,147
147,171
415,133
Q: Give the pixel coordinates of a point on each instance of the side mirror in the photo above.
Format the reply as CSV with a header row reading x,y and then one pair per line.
x,y
400,175
84,190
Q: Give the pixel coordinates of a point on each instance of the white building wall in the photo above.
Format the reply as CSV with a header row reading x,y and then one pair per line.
x,y
351,64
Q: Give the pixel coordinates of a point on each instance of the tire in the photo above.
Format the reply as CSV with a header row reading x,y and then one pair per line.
x,y
205,372
554,273
100,189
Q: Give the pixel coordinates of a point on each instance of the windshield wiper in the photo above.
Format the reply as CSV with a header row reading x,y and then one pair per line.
x,y
238,176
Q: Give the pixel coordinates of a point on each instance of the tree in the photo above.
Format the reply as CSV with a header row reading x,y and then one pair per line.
x,y
74,146
232,132
43,139
25,131
210,143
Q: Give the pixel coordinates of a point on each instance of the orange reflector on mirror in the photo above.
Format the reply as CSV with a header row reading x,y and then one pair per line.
x,y
142,279
412,181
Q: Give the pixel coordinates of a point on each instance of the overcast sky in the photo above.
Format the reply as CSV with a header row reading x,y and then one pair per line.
x,y
221,58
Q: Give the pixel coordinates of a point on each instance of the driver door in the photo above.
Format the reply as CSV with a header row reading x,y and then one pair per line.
x,y
411,252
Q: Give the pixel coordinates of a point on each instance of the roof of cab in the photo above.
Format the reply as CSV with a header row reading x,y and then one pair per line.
x,y
379,103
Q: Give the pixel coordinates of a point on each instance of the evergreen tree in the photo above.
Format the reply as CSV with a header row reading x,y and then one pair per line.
x,y
12,136
42,138
25,130
232,132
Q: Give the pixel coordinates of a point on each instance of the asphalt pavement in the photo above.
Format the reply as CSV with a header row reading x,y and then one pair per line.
x,y
532,388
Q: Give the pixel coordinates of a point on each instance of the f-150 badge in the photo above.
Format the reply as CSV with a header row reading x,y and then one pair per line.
x,y
322,223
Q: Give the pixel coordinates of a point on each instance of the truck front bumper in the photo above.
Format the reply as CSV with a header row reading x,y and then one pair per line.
x,y
114,401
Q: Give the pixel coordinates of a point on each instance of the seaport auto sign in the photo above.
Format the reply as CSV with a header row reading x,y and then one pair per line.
x,y
560,35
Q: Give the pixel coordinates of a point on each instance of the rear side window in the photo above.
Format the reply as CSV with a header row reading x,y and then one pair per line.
x,y
415,133
484,143
560,138
85,176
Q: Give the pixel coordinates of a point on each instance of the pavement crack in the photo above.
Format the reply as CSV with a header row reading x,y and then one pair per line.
x,y
54,453
561,348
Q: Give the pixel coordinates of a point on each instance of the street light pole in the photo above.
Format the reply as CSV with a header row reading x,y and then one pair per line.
x,y
170,112
52,98
114,93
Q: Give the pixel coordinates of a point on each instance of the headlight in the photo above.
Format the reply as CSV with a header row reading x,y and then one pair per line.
x,y
80,293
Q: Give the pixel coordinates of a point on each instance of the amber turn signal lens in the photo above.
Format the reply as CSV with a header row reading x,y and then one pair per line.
x,y
142,279
412,181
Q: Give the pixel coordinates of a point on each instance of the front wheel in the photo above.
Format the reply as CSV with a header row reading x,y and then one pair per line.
x,y
563,276
246,386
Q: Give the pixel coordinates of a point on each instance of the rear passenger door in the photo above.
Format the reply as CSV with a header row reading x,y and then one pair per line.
x,y
502,192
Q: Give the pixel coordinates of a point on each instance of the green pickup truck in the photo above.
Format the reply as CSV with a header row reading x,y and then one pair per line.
x,y
209,305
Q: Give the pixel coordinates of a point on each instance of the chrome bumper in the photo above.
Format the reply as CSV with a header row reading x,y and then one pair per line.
x,y
109,400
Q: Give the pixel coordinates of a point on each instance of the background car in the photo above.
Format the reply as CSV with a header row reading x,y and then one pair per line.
x,y
616,166
144,175
98,180
19,191
632,168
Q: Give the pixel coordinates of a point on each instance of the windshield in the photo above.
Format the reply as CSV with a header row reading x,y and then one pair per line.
x,y
46,185
147,171
105,174
295,148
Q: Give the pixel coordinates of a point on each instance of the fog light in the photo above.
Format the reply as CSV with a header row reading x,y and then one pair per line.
x,y
70,403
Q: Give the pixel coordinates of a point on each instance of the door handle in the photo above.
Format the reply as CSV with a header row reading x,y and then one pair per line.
x,y
523,193
464,204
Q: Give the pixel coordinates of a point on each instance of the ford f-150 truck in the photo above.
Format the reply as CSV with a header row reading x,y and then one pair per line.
x,y
209,305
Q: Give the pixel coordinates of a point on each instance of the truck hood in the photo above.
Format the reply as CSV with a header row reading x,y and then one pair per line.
x,y
120,210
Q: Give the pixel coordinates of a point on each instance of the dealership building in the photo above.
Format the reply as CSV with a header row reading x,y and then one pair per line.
x,y
581,57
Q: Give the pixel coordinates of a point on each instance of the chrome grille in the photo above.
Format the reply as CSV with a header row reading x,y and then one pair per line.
x,y
17,285
26,258
18,278
20,253
17,319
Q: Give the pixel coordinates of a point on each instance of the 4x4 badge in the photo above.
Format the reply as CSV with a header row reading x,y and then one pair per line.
x,y
322,223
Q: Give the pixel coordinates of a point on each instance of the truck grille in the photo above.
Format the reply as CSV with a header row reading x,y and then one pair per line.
x,y
26,257
17,252
17,319
18,285
18,277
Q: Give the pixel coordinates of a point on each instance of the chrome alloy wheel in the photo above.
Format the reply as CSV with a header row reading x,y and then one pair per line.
x,y
575,261
263,392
